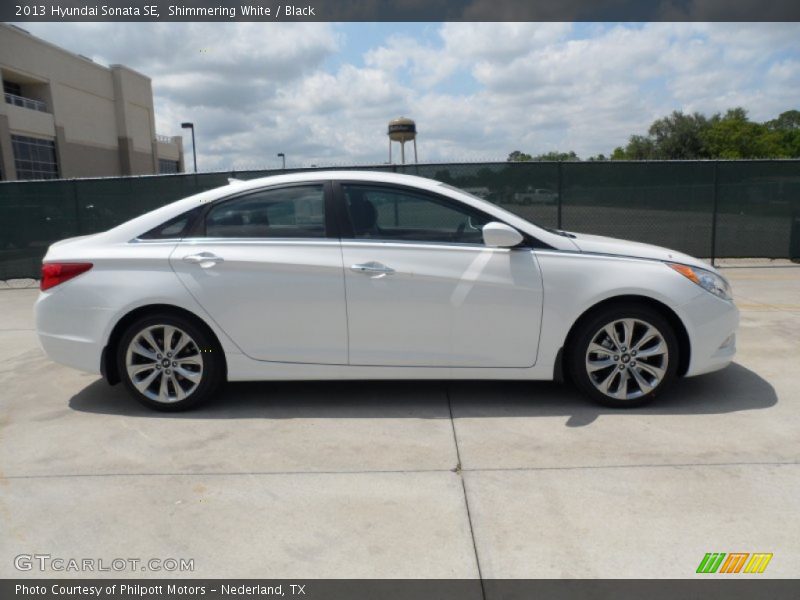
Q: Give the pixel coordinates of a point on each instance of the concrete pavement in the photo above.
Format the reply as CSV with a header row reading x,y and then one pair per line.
x,y
413,479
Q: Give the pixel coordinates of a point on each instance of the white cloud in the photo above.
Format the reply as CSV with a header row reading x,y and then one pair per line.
x,y
476,90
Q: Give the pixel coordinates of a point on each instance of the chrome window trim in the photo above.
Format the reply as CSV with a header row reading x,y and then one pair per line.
x,y
324,242
262,241
138,240
429,245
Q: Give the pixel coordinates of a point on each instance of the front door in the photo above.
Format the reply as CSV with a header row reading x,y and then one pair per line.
x,y
423,290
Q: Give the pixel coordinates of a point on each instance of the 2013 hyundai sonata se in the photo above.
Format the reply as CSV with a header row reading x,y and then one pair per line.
x,y
364,275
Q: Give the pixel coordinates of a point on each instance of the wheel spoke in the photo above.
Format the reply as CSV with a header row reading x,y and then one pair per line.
x,y
190,360
622,388
598,349
612,335
190,375
180,394
656,350
644,385
656,372
627,333
649,335
148,337
137,369
143,384
163,390
606,383
183,341
169,332
596,365
142,351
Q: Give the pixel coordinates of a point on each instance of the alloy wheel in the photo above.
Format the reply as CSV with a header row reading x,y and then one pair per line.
x,y
164,363
627,358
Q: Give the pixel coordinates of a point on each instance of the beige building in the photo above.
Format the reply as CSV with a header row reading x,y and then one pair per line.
x,y
66,116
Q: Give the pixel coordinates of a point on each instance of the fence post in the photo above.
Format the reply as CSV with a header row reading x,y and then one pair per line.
x,y
714,205
560,189
77,206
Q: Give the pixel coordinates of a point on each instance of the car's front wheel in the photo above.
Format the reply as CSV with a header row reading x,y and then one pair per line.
x,y
623,356
169,363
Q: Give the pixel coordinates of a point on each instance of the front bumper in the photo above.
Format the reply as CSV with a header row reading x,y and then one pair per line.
x,y
711,324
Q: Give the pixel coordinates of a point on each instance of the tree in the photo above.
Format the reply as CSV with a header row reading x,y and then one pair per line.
x,y
554,155
730,135
786,121
787,126
733,135
639,148
679,136
517,156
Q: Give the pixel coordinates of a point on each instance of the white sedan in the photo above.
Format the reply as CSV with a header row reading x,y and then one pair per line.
x,y
368,275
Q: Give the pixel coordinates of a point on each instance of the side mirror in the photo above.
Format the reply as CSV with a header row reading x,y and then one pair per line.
x,y
500,235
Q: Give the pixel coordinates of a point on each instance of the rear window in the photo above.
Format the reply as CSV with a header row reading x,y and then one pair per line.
x,y
290,212
175,228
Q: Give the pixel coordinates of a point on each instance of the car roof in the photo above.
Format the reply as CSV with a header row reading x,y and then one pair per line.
x,y
326,175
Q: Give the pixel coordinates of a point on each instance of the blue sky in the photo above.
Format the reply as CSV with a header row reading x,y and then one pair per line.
x,y
323,92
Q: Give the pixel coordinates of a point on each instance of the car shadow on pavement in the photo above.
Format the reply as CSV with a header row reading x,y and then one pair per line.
x,y
733,389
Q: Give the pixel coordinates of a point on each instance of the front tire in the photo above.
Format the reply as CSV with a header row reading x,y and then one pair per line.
x,y
623,356
169,363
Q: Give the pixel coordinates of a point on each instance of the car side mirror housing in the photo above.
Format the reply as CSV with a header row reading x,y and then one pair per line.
x,y
500,235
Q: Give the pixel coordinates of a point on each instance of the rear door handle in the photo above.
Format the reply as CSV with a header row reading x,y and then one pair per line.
x,y
204,259
373,268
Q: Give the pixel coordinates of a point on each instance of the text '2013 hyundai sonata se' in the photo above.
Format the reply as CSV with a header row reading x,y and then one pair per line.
x,y
366,275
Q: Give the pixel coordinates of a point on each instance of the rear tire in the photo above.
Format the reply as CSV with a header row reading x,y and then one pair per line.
x,y
624,355
168,363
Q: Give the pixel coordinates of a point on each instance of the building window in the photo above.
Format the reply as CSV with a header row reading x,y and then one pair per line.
x,y
34,158
13,95
168,166
9,87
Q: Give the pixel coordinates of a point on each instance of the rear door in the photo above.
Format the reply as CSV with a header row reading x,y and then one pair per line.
x,y
267,266
422,288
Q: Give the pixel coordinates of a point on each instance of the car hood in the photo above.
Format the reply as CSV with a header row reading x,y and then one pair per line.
x,y
606,245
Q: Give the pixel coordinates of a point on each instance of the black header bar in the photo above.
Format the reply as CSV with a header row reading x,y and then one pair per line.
x,y
400,10
710,588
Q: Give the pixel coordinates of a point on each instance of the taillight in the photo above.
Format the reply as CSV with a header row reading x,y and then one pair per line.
x,y
56,273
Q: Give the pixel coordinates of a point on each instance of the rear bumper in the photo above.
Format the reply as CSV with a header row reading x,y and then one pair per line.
x,y
69,331
711,323
70,351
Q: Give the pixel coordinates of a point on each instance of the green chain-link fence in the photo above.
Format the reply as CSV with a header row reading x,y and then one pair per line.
x,y
720,209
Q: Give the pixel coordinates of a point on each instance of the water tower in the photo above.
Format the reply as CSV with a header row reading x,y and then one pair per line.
x,y
402,130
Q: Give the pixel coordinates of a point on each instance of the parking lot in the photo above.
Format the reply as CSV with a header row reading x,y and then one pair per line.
x,y
412,479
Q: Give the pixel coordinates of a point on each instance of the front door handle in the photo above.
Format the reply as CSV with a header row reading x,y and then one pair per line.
x,y
204,259
373,268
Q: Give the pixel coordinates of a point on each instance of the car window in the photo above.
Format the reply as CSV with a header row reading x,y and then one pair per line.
x,y
291,212
173,229
398,214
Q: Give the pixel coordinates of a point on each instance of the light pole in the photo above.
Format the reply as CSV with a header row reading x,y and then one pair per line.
x,y
282,156
194,148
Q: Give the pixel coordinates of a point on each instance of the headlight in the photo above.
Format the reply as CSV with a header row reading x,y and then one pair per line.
x,y
705,279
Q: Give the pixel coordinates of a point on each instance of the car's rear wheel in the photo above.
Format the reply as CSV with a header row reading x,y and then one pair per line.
x,y
623,356
169,363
